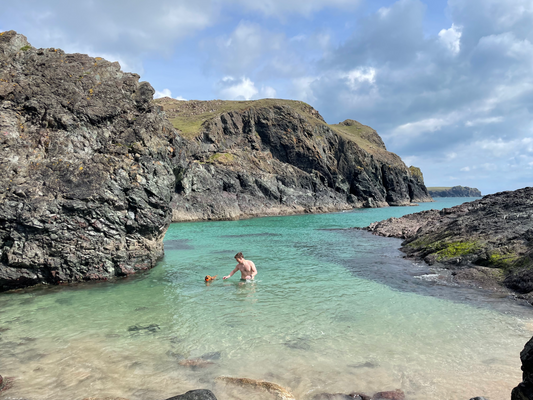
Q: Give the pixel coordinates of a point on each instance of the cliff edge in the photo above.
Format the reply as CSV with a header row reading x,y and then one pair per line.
x,y
86,173
274,157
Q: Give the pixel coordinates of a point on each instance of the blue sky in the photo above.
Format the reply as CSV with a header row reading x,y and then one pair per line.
x,y
447,84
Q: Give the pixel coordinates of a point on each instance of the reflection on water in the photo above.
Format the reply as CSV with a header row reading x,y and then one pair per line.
x,y
330,311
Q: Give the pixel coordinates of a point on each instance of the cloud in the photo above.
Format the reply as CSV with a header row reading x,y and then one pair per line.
x,y
230,88
166,93
451,38
129,30
280,9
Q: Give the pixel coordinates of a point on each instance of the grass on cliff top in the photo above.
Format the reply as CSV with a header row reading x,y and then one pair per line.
x,y
188,116
439,188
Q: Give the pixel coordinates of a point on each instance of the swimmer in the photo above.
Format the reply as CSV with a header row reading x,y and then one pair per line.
x,y
247,268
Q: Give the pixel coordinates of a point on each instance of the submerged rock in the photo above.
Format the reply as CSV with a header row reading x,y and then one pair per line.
x,y
390,395
275,157
86,173
492,236
280,392
198,394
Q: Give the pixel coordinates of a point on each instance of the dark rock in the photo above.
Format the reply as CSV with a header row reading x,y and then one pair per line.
x,y
198,394
391,395
86,175
273,157
525,389
360,396
1,381
456,191
478,398
487,240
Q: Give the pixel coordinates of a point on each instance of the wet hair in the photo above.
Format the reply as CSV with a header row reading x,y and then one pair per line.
x,y
239,255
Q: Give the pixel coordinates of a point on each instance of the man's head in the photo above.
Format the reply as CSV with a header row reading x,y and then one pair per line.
x,y
239,257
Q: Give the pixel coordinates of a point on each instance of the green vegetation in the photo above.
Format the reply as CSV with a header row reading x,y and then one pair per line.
x,y
189,116
357,133
25,48
222,158
457,249
416,172
439,188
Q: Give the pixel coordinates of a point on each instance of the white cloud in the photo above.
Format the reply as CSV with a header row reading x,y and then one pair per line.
x,y
413,129
465,169
230,88
360,75
484,121
451,38
166,93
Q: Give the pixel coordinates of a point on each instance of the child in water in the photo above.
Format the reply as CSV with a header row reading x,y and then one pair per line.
x,y
247,268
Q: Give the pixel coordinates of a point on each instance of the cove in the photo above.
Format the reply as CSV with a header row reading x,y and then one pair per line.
x,y
332,310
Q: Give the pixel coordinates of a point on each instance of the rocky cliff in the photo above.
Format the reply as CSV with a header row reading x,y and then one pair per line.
x,y
456,191
86,173
489,238
272,157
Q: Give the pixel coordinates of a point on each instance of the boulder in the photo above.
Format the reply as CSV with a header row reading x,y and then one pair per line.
x,y
198,394
524,391
86,173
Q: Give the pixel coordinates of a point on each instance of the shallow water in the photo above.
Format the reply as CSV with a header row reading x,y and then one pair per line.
x,y
331,310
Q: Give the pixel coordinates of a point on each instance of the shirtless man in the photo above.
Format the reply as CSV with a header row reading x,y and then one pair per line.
x,y
246,267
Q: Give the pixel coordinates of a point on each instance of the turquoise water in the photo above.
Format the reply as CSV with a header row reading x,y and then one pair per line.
x,y
331,310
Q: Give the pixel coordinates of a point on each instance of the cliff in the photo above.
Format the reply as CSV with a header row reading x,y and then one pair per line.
x,y
489,238
456,191
272,157
86,174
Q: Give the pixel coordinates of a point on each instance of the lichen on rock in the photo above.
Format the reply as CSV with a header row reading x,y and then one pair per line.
x,y
86,171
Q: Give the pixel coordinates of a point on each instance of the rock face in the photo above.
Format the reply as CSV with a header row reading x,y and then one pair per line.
x,y
86,173
272,157
456,191
524,391
495,232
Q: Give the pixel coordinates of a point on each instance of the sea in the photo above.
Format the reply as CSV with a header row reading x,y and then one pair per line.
x,y
332,310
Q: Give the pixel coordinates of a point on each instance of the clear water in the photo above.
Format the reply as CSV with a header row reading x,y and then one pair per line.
x,y
331,310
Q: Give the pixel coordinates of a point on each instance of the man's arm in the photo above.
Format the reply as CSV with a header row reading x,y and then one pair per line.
x,y
231,273
254,270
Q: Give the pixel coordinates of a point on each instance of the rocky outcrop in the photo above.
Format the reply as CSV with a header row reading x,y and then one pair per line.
x,y
524,391
456,191
492,236
272,157
86,173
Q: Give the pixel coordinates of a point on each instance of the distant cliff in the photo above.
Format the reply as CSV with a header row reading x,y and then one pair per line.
x,y
456,191
86,176
486,239
274,157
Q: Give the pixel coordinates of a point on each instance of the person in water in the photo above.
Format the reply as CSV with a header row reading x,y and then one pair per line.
x,y
246,267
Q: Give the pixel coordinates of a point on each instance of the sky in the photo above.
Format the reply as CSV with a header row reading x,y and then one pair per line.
x,y
448,85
